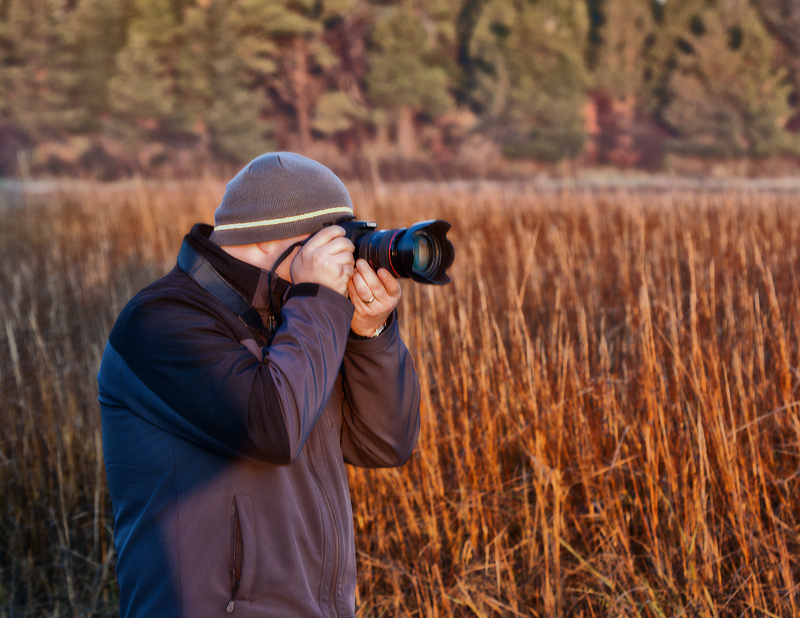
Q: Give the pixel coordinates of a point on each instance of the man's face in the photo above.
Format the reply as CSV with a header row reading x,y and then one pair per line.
x,y
273,249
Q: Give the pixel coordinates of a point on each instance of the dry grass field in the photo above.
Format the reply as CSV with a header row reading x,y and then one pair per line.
x,y
610,401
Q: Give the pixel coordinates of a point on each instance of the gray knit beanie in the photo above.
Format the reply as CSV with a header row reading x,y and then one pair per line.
x,y
279,195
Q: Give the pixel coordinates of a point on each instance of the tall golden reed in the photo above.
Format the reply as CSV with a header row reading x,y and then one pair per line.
x,y
610,409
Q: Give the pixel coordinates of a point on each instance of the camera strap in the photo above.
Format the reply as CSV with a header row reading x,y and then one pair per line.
x,y
275,319
204,274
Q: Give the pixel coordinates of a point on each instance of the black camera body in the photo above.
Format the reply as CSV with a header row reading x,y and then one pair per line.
x,y
421,252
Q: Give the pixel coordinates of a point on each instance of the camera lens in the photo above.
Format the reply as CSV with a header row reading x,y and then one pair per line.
x,y
422,252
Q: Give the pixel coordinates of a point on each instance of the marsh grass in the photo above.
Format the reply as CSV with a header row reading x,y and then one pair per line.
x,y
610,410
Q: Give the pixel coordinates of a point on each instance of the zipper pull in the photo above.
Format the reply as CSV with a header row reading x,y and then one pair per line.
x,y
229,607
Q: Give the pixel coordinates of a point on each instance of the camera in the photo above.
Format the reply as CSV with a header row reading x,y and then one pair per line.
x,y
421,252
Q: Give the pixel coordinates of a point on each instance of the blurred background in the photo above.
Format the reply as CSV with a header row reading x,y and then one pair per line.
x,y
611,382
105,89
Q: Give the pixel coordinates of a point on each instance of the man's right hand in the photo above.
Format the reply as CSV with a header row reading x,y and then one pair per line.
x,y
327,259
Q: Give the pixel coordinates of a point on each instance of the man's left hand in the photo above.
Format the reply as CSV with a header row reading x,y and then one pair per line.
x,y
374,295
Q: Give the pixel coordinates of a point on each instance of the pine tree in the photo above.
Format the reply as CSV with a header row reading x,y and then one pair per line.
x,y
466,20
39,70
532,77
6,59
100,33
782,18
620,64
403,78
336,113
142,90
619,88
213,89
342,112
283,47
726,97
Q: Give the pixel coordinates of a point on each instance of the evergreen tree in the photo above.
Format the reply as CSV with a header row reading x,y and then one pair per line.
x,y
726,97
342,112
721,77
620,64
782,18
39,70
6,62
142,90
100,33
618,82
282,45
214,93
403,77
336,114
465,22
532,76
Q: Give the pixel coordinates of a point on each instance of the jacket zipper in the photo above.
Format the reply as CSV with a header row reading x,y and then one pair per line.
x,y
231,603
237,569
334,529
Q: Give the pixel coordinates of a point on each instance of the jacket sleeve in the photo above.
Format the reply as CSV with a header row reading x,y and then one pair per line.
x,y
382,397
305,357
217,392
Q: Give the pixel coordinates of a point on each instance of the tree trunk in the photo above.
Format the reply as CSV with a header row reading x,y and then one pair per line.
x,y
406,138
298,75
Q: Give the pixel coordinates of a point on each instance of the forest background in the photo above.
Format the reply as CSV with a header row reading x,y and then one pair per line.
x,y
610,408
109,88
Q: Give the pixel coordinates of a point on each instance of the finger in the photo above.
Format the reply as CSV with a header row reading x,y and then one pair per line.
x,y
342,257
353,294
369,275
340,245
324,236
382,280
366,304
336,246
362,289
389,282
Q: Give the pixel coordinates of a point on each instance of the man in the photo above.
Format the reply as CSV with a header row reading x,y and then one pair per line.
x,y
233,391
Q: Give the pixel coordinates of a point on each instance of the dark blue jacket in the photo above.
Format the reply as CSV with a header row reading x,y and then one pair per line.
x,y
225,456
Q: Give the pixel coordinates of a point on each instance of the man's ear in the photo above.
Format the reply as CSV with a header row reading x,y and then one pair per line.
x,y
266,253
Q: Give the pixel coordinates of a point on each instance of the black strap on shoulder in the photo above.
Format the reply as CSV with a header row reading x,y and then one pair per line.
x,y
204,274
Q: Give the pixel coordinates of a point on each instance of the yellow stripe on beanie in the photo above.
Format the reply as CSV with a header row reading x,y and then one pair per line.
x,y
283,220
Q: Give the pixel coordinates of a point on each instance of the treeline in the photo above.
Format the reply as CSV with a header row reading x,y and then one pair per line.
x,y
108,87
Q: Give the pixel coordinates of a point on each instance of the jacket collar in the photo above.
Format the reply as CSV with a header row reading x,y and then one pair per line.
x,y
252,282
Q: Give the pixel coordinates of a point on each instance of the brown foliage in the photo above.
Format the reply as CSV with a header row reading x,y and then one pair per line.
x,y
610,423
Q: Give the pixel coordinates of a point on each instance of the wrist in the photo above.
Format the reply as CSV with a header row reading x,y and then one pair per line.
x,y
375,333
